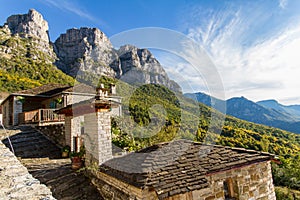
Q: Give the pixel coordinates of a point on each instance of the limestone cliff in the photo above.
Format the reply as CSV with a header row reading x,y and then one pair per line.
x,y
30,24
86,50
84,53
140,66
33,27
26,54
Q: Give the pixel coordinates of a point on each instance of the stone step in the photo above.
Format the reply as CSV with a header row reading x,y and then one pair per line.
x,y
42,159
25,154
24,138
36,152
32,144
39,144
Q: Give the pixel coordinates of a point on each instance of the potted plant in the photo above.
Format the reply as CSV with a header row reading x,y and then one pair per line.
x,y
77,158
65,151
20,99
58,100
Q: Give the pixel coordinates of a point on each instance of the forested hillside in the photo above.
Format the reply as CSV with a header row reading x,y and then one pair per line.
x,y
24,64
235,132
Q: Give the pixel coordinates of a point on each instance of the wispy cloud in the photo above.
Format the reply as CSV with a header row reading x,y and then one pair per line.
x,y
283,3
70,6
255,59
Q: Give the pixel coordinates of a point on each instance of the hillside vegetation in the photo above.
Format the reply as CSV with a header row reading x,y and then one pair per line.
x,y
25,63
235,133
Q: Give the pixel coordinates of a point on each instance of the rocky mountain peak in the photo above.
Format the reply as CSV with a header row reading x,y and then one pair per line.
x,y
85,49
133,57
30,24
92,36
85,53
140,66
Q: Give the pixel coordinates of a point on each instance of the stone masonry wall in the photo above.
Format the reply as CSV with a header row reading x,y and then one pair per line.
x,y
112,188
97,136
55,132
253,182
249,183
16,182
68,129
5,108
17,109
73,127
76,98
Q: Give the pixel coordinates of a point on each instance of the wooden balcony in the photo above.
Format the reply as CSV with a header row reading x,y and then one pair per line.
x,y
40,117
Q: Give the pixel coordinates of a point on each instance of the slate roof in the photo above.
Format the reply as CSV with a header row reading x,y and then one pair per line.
x,y
44,90
178,166
82,88
51,89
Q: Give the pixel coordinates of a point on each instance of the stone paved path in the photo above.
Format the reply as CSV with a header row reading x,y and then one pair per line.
x,y
42,159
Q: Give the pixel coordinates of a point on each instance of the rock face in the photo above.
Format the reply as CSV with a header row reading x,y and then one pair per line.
x,y
33,27
87,53
140,66
32,24
85,50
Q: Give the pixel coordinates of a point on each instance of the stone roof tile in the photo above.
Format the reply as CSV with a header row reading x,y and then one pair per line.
x,y
178,166
44,90
51,89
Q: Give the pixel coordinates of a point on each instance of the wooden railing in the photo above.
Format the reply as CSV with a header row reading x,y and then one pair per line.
x,y
40,116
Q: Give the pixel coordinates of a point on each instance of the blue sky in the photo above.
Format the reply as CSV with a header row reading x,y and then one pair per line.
x,y
254,45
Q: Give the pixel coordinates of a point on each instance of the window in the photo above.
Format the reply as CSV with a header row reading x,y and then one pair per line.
x,y
228,186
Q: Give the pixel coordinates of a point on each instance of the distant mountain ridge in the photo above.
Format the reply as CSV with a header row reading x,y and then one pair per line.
x,y
273,104
268,112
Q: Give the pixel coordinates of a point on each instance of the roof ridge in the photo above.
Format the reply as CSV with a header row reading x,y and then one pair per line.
x,y
44,85
241,149
162,144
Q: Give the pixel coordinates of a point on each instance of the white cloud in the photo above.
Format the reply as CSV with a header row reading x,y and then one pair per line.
x,y
283,3
258,66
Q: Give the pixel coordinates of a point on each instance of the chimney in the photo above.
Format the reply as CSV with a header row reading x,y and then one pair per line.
x,y
113,89
97,139
101,92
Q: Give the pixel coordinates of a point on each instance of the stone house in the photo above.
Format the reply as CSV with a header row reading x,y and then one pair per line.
x,y
188,170
36,106
181,169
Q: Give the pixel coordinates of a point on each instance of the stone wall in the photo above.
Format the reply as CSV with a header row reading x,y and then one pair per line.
x,y
75,98
112,188
55,133
97,136
249,183
5,111
17,108
73,128
16,182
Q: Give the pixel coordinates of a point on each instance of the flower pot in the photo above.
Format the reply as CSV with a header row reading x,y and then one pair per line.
x,y
76,163
65,154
